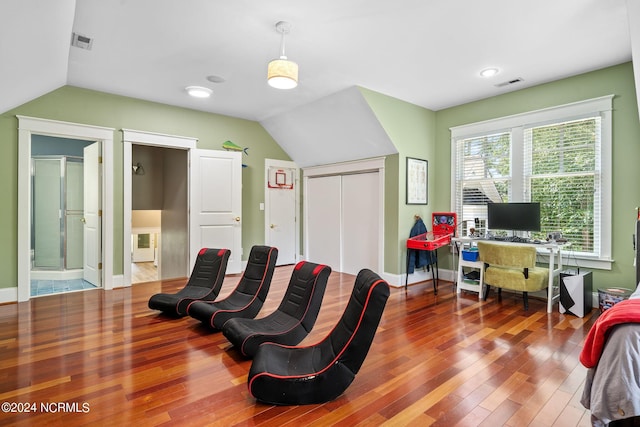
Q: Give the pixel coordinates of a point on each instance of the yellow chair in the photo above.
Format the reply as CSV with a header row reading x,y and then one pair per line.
x,y
512,267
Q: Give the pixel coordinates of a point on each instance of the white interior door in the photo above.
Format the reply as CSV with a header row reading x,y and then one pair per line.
x,y
323,226
92,215
281,210
144,247
216,204
360,222
282,223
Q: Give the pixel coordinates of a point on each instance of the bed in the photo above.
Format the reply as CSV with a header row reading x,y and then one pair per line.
x,y
612,355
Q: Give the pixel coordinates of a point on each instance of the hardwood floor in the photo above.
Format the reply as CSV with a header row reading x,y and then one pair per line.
x,y
104,358
143,272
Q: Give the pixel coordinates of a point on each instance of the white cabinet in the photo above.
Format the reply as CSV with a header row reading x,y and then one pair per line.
x,y
467,284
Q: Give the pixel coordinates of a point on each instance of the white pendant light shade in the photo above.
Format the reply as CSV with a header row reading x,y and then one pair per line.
x,y
282,74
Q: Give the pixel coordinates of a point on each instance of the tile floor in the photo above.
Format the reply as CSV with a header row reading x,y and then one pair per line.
x,y
48,287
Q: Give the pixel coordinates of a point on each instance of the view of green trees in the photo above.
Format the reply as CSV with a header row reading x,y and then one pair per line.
x,y
559,172
563,179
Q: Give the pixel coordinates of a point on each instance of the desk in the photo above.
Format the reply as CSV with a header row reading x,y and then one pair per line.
x,y
553,248
430,243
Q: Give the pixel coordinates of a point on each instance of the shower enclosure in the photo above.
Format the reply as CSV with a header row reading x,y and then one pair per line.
x,y
57,239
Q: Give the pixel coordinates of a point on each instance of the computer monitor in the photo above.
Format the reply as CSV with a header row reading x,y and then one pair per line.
x,y
513,216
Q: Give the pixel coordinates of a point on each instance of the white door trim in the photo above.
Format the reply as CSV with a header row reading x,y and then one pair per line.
x,y
135,137
28,126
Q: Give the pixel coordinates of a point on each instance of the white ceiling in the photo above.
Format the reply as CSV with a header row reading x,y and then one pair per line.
x,y
428,53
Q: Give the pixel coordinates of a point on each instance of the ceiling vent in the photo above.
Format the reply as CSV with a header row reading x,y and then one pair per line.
x,y
83,42
510,82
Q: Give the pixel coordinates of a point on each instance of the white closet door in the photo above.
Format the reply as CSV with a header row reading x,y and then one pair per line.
x,y
360,222
323,221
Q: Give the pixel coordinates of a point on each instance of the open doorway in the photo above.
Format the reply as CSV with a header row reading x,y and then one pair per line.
x,y
85,183
159,213
64,233
211,183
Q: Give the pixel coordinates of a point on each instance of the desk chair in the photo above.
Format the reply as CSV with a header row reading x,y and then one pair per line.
x,y
513,267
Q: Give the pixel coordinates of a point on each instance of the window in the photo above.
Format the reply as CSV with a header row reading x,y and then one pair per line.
x,y
559,157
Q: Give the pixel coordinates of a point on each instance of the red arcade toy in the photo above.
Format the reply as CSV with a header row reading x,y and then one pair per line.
x,y
443,226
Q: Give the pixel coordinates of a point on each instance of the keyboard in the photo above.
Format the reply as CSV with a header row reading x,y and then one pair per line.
x,y
514,239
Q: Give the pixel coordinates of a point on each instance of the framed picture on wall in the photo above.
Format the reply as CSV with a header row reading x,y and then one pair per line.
x,y
417,181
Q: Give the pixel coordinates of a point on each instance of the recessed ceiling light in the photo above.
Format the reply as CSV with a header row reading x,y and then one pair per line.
x,y
199,91
489,72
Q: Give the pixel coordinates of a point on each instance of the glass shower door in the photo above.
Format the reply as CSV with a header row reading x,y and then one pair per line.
x,y
47,214
74,213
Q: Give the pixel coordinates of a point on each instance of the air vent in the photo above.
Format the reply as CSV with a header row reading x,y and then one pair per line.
x,y
83,42
510,82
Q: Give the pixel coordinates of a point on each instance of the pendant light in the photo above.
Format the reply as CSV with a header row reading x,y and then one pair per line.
x,y
282,73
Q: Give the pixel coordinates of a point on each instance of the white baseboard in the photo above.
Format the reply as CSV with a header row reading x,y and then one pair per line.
x,y
8,295
118,281
55,275
398,280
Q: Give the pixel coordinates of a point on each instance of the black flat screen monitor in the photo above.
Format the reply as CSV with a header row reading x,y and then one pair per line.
x,y
513,216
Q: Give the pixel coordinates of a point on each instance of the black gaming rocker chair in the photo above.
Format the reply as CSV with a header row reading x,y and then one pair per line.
x,y
294,318
247,298
204,283
286,375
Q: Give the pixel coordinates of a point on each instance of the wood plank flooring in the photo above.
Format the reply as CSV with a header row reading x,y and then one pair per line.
x,y
143,272
103,358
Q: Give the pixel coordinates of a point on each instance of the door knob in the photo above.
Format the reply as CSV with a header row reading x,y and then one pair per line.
x,y
272,226
84,221
237,219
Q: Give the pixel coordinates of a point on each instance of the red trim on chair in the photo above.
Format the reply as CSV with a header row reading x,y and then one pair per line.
x,y
299,265
310,374
318,269
202,251
221,252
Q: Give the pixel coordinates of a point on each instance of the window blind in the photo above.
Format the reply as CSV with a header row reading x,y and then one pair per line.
x,y
483,176
561,171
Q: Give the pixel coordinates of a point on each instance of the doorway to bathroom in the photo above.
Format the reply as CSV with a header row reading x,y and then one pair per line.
x,y
64,218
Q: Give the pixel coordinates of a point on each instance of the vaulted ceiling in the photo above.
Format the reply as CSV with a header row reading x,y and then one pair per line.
x,y
427,53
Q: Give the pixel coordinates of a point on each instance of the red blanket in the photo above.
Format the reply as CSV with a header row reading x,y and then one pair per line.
x,y
627,311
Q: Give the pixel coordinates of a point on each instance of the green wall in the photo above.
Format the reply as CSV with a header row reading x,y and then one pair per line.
x,y
415,131
77,105
617,80
412,130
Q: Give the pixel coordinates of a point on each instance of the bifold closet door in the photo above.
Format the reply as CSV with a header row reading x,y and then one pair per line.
x,y
343,221
323,221
360,222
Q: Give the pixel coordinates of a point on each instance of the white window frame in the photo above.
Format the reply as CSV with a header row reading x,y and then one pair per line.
x,y
516,124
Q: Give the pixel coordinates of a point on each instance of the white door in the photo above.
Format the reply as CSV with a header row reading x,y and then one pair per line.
x,y
143,247
360,222
281,210
323,226
215,189
92,215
